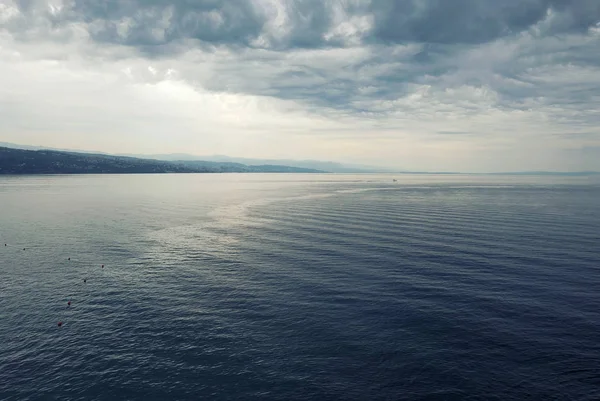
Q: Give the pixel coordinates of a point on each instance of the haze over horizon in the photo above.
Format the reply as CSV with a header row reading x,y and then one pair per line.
x,y
465,85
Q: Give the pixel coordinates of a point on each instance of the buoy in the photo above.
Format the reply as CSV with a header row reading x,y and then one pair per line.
x,y
59,324
85,280
103,266
69,259
23,248
69,303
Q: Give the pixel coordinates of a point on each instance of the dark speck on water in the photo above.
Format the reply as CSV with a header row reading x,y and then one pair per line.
x,y
300,287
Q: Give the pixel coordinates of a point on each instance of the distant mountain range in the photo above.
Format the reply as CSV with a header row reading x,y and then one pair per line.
x,y
22,161
227,163
331,167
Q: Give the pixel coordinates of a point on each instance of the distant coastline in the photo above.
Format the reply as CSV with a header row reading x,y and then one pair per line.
x,y
25,160
21,162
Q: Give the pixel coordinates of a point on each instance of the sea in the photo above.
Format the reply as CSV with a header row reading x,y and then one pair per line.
x,y
299,287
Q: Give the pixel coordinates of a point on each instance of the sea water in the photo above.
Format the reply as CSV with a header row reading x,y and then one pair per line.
x,y
299,287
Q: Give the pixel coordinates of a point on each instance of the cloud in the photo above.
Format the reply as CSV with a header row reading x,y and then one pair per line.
x,y
474,21
285,24
414,84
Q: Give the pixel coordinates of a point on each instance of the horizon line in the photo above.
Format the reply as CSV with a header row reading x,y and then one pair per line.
x,y
374,169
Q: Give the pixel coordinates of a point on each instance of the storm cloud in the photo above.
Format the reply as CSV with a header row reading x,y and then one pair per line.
x,y
442,83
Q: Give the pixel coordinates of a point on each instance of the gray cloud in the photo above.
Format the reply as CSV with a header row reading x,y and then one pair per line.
x,y
156,22
474,21
306,23
453,71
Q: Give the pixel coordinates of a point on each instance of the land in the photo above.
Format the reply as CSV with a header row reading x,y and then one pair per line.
x,y
331,167
25,159
226,161
21,161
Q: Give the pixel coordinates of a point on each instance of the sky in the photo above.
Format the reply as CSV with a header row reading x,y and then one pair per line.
x,y
428,85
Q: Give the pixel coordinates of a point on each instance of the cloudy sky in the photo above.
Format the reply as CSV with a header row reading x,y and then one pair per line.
x,y
462,85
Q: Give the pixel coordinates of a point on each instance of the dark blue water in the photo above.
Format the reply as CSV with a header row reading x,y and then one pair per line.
x,y
296,287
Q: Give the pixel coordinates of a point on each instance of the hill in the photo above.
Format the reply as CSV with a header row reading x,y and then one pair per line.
x,y
226,161
20,161
328,166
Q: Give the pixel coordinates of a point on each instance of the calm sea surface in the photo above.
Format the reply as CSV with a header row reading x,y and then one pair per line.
x,y
299,287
